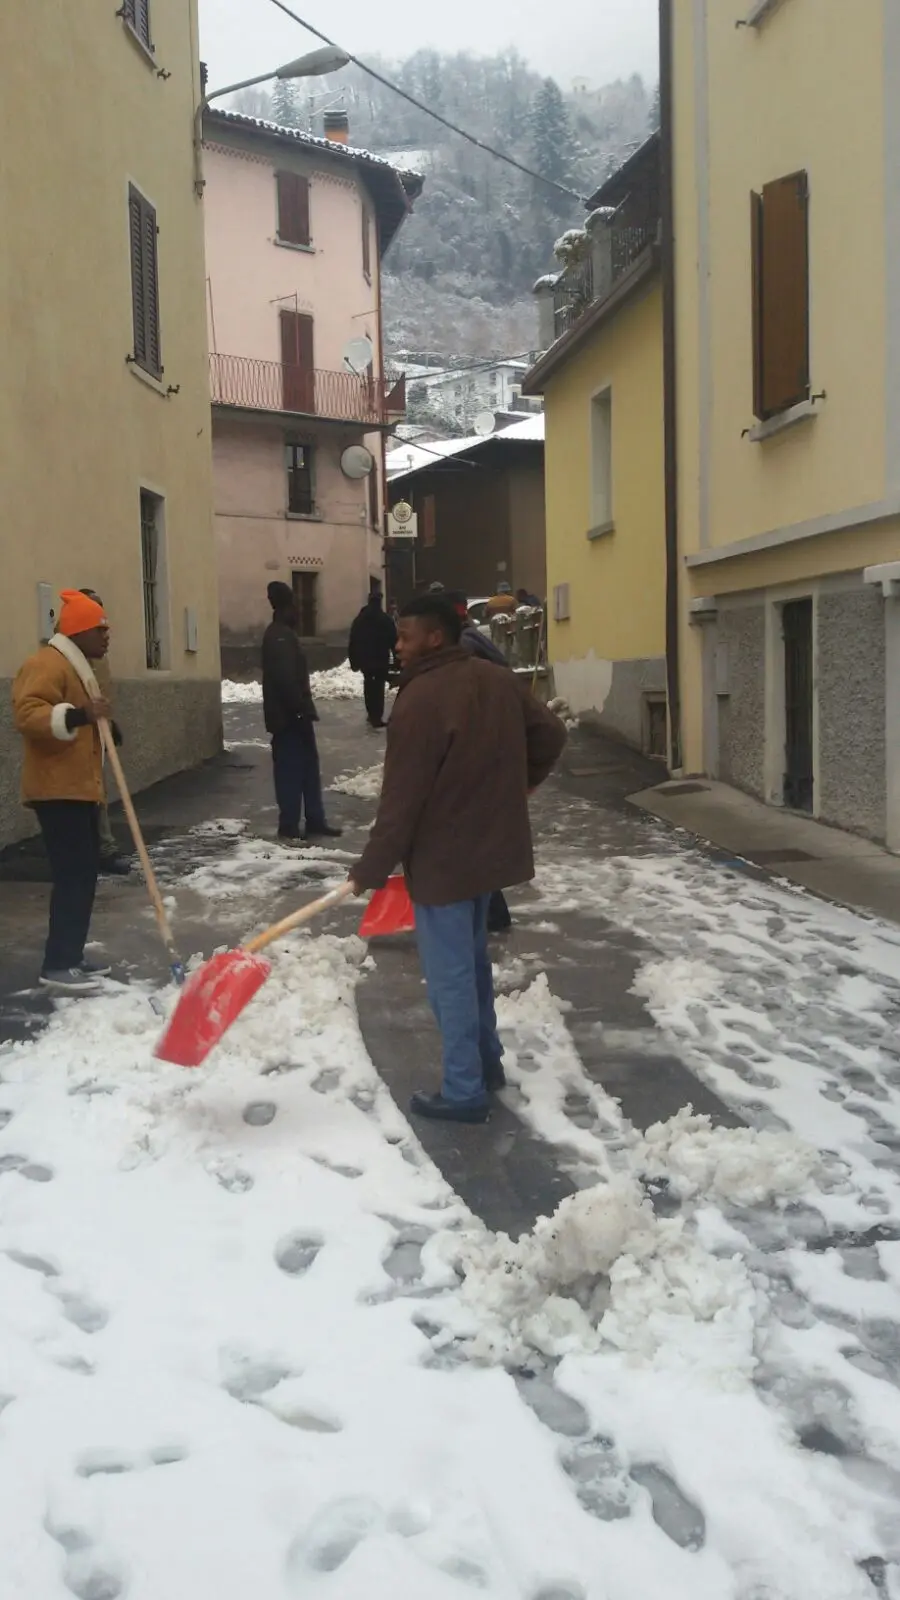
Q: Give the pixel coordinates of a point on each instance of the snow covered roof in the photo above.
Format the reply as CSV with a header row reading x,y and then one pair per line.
x,y
393,188
409,459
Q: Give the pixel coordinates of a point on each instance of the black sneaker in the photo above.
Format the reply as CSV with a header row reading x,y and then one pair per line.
x,y
115,867
437,1109
325,832
70,981
291,841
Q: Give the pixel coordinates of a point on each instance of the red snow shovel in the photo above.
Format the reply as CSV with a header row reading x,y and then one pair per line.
x,y
390,910
216,994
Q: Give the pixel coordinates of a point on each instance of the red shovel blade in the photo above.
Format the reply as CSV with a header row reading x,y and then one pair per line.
x,y
390,910
211,1000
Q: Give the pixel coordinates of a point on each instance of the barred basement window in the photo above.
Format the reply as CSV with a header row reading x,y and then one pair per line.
x,y
152,571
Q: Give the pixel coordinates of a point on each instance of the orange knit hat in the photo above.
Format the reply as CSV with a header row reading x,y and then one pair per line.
x,y
79,613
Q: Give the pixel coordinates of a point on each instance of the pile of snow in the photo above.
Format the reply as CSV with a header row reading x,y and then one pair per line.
x,y
605,1271
335,683
563,711
739,1165
366,784
240,694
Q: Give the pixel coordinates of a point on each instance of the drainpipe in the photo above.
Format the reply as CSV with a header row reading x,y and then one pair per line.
x,y
379,309
670,418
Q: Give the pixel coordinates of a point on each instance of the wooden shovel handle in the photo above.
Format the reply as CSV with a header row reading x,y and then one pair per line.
x,y
297,918
112,753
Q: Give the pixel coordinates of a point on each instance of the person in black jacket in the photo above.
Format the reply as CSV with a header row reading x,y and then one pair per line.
x,y
290,717
370,650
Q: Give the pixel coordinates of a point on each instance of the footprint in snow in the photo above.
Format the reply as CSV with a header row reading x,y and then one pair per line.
x,y
331,1538
327,1081
83,1312
259,1113
560,1591
6,1117
296,1254
87,1574
339,1169
25,1168
247,1377
31,1263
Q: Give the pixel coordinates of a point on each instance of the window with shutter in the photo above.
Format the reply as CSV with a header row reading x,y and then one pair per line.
x,y
780,274
144,283
367,243
136,13
293,208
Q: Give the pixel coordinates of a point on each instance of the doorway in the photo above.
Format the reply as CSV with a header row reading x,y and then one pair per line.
x,y
306,587
797,631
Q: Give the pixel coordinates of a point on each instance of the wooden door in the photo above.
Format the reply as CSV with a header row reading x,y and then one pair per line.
x,y
298,374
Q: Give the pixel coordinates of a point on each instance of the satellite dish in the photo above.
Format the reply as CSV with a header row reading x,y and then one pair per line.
x,y
484,424
357,462
359,355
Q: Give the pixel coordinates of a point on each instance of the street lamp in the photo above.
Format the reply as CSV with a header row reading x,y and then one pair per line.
x,y
315,64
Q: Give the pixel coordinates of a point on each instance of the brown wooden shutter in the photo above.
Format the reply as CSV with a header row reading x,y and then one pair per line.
x,y
297,362
756,223
367,242
142,231
784,299
293,207
374,501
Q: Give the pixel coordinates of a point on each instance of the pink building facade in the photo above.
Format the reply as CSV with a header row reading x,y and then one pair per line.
x,y
295,230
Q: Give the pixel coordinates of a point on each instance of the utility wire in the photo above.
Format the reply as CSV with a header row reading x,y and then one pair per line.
x,y
484,364
499,155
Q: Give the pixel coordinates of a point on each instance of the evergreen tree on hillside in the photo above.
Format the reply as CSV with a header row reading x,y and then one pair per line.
x,y
553,148
653,116
285,110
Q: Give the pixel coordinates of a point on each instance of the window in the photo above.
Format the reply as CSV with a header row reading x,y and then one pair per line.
x,y
561,610
601,461
780,263
367,243
153,578
299,385
305,586
136,14
293,208
299,464
144,283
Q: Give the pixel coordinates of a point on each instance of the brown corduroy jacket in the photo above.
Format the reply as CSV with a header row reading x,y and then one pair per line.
x,y
465,744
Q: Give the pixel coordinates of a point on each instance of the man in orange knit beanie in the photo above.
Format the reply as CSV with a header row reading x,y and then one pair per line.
x,y
57,705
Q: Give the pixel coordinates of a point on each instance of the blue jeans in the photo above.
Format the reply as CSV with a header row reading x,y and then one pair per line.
x,y
453,950
298,782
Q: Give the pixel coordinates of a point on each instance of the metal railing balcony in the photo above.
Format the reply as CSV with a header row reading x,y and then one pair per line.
x,y
249,384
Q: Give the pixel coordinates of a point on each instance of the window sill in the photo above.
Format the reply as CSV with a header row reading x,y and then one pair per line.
x,y
289,244
147,377
146,51
303,516
601,531
806,411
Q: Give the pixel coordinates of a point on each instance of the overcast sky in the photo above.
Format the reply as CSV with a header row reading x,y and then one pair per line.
x,y
596,39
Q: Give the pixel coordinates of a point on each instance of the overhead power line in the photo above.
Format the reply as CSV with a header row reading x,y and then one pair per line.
x,y
499,155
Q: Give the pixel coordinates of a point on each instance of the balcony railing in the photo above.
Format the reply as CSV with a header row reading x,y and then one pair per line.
x,y
613,249
252,385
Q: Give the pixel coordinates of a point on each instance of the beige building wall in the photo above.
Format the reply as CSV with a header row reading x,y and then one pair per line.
x,y
83,113
803,510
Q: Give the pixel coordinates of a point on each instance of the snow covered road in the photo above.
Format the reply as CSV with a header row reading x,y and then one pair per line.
x,y
252,1343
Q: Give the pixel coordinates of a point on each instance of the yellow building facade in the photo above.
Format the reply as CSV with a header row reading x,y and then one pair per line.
x,y
786,162
104,389
602,383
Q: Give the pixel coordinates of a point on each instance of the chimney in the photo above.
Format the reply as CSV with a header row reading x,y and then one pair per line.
x,y
337,127
204,77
